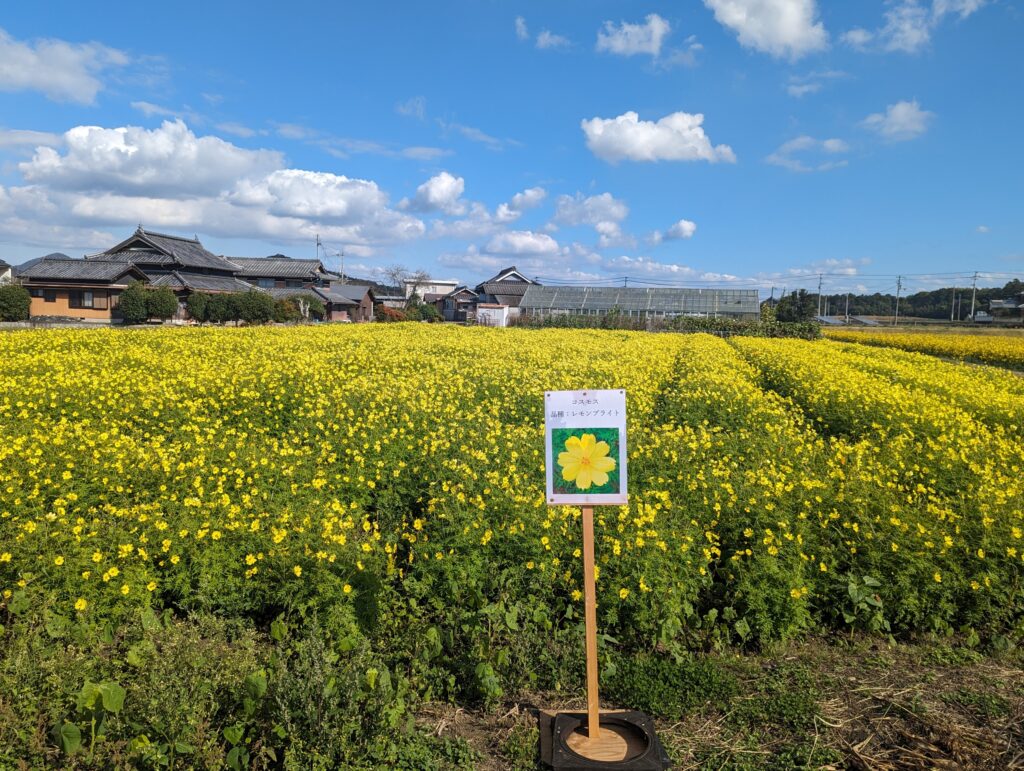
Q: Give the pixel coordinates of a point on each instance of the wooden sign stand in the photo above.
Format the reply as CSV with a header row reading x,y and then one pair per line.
x,y
590,616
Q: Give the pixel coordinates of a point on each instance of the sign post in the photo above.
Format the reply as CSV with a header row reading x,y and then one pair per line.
x,y
585,441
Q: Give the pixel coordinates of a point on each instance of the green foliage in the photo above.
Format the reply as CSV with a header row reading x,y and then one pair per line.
x,y
223,307
161,302
133,304
786,698
725,327
797,306
196,305
15,303
255,307
663,686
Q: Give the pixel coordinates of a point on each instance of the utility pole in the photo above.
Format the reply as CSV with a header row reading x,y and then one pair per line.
x,y
974,291
899,286
952,306
847,307
819,294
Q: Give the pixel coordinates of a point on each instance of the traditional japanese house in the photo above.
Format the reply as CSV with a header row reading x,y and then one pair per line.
x,y
87,290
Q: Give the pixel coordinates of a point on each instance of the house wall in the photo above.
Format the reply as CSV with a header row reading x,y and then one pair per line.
x,y
365,310
5,275
61,305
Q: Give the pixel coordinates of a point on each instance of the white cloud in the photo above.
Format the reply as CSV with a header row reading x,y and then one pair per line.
x,y
64,72
548,40
806,145
909,25
900,121
294,131
583,210
801,85
169,178
515,242
442,193
520,202
782,28
858,38
416,107
676,137
630,39
681,230
649,268
521,30
982,229
169,160
23,137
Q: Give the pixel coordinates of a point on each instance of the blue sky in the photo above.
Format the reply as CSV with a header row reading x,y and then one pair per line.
x,y
751,142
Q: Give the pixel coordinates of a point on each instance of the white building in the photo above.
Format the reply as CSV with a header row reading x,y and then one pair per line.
x,y
434,286
5,273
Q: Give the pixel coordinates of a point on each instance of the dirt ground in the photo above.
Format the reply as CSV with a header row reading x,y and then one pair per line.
x,y
866,705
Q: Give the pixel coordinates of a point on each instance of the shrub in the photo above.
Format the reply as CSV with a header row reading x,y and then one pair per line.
x,y
386,314
286,310
161,302
255,307
222,307
15,303
133,305
196,305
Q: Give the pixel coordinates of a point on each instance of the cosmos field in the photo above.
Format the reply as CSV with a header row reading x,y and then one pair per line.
x,y
383,486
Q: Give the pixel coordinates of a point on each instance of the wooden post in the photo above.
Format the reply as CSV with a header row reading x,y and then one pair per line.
x,y
593,706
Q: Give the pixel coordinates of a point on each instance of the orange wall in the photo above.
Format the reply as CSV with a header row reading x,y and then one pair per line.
x,y
61,307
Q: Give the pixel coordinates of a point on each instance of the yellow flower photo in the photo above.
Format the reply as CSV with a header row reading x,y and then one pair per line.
x,y
588,462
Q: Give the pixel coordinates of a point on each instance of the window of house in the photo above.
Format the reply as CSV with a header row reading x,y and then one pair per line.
x,y
35,291
99,301
292,284
266,283
80,298
50,295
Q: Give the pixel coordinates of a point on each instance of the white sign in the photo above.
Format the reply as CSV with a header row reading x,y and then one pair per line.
x,y
585,447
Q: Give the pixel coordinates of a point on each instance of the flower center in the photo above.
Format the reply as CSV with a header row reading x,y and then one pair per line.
x,y
585,461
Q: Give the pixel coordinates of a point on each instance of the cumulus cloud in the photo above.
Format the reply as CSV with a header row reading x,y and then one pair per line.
x,y
627,39
909,25
169,160
589,210
440,193
782,28
676,137
900,121
520,202
170,178
525,242
681,230
806,146
64,72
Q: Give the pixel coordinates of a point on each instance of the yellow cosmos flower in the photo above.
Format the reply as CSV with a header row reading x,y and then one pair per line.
x,y
585,461
81,604
297,571
347,588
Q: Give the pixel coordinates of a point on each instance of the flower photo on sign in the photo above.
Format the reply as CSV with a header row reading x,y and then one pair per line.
x,y
587,460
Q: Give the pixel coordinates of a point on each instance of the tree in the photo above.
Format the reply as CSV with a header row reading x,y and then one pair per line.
x,y
255,307
132,304
396,275
221,308
196,306
161,303
798,306
15,303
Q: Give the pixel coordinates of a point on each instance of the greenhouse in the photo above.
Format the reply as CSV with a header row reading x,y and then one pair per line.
x,y
642,302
